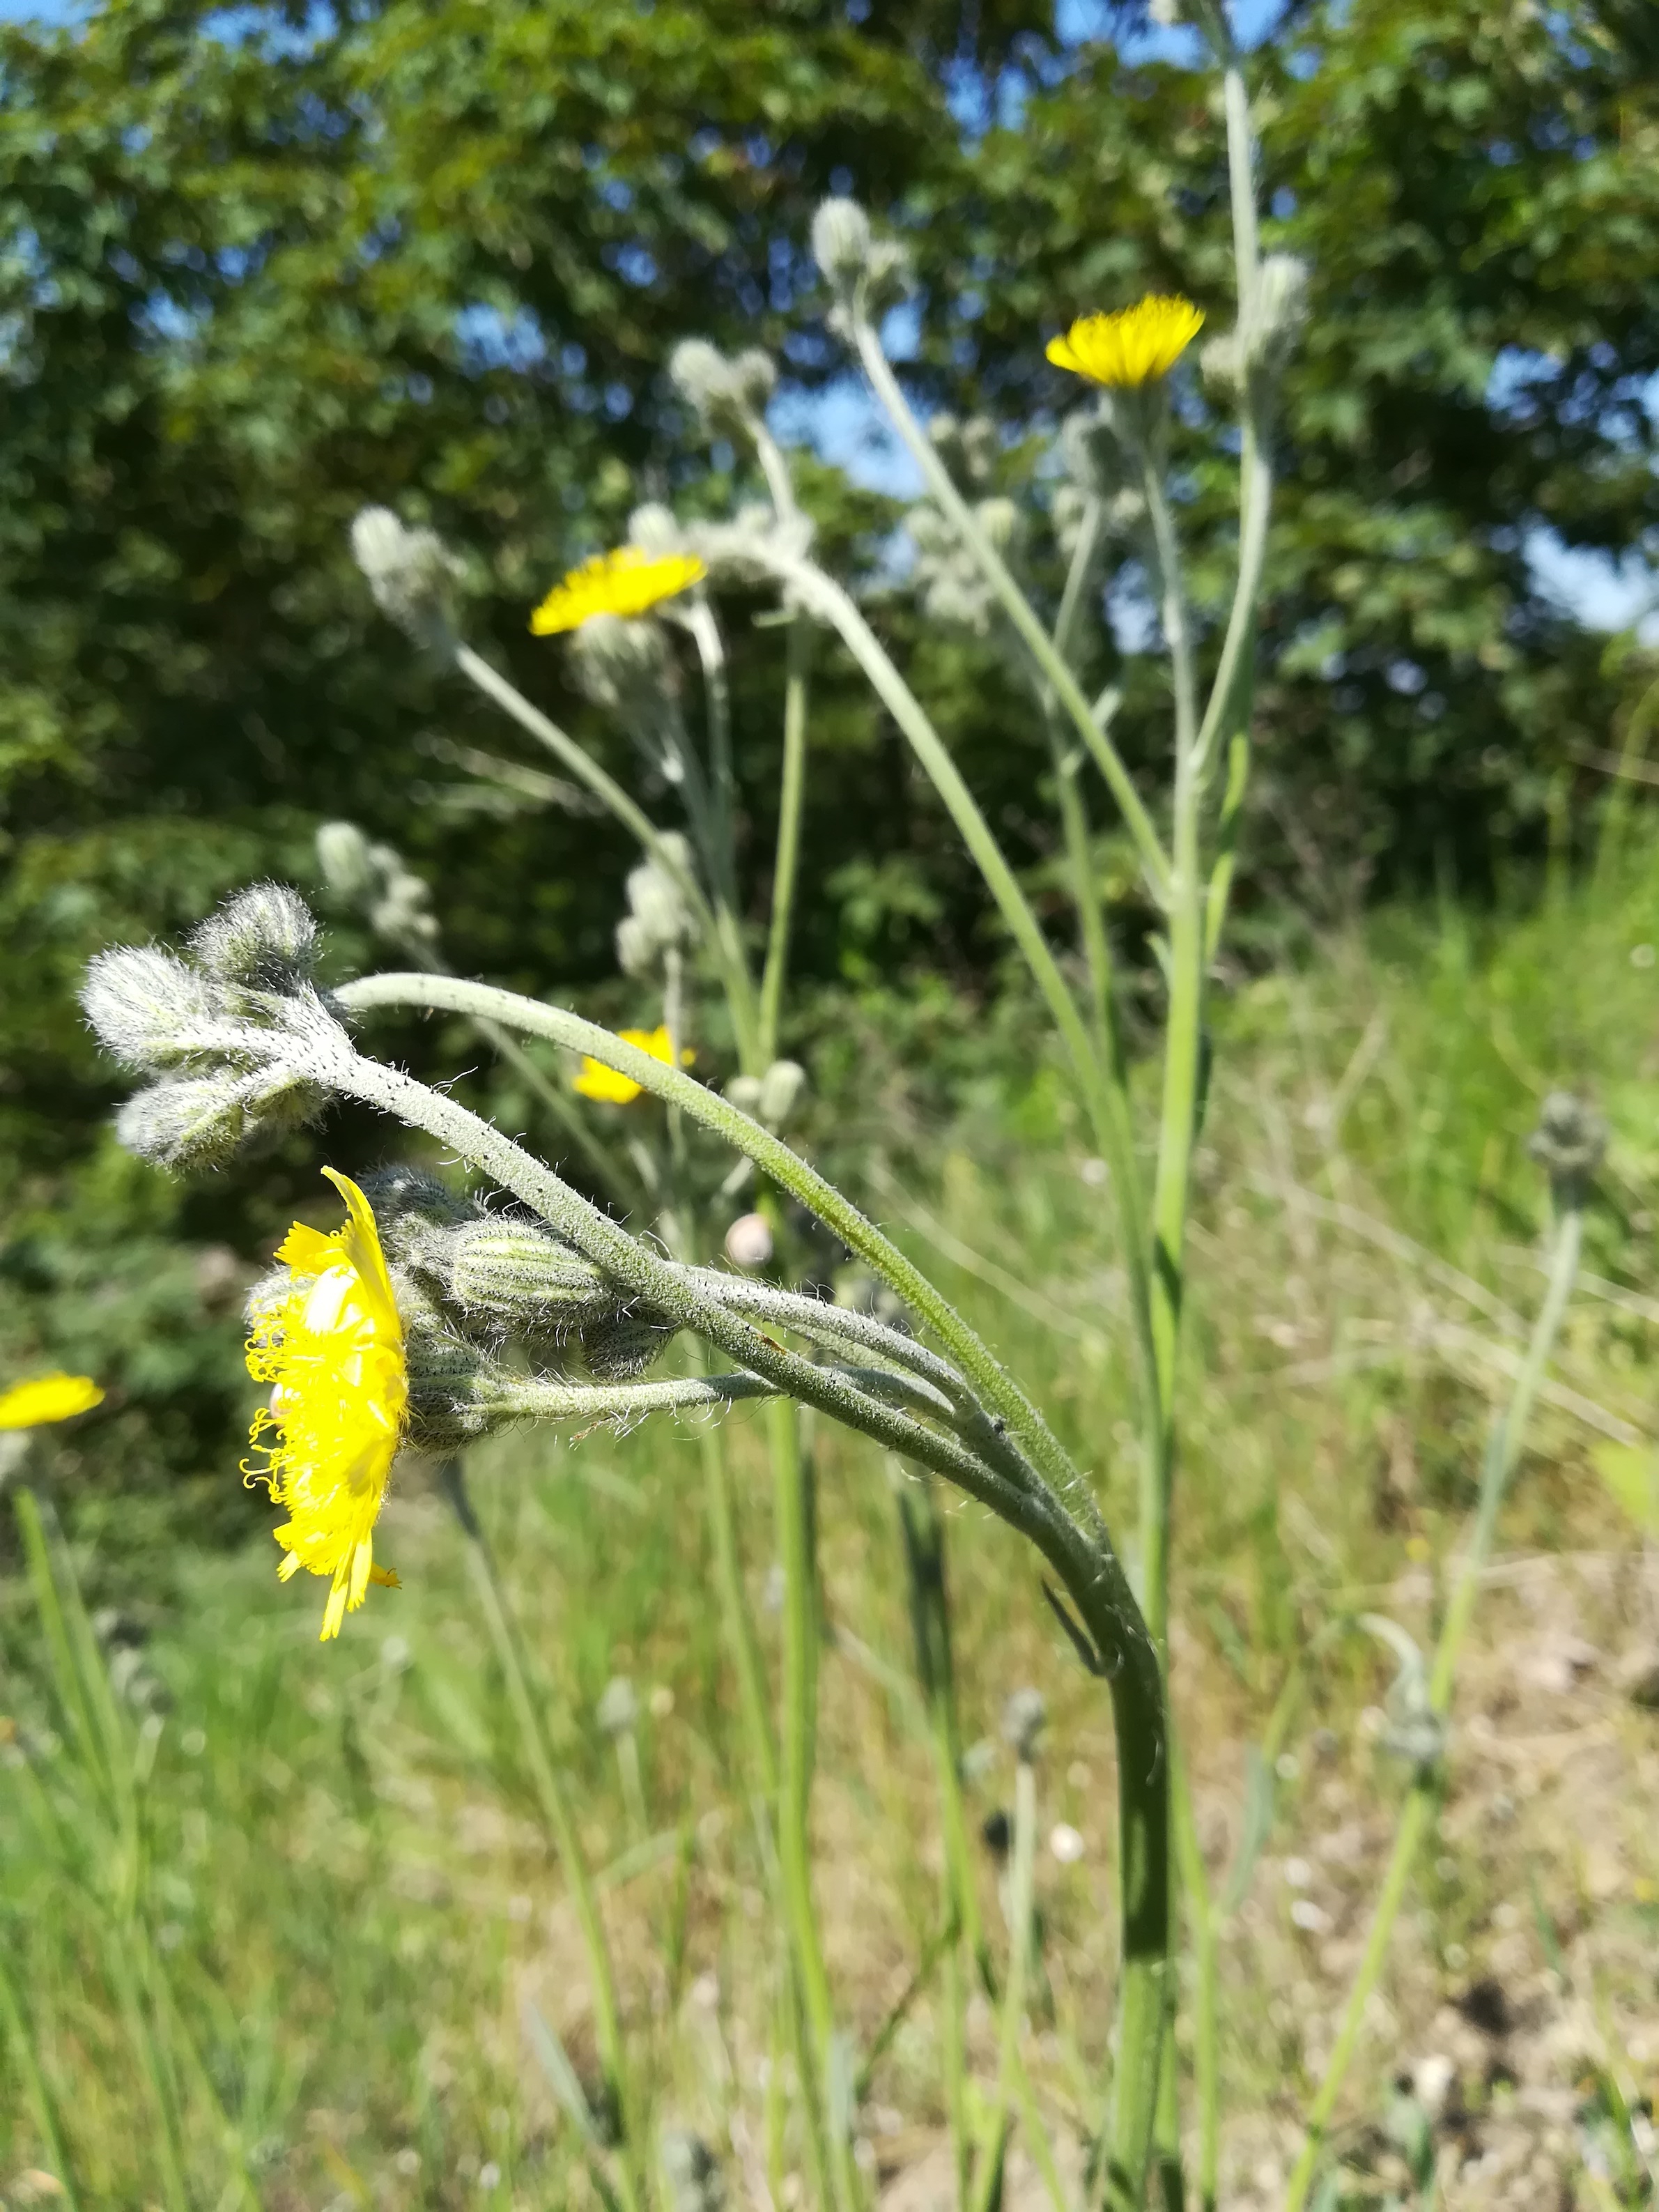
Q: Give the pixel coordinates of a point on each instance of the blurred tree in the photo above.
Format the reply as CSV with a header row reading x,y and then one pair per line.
x,y
261,265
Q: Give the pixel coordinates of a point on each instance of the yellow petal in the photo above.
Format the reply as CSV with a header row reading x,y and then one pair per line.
x,y
628,581
48,1398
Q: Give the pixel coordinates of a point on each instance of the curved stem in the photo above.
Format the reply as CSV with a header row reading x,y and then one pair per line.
x,y
1050,665
997,1391
785,867
839,1325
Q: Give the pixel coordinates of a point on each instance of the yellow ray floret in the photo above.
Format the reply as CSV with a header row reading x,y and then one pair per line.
x,y
625,582
1135,346
47,1398
332,1344
597,1081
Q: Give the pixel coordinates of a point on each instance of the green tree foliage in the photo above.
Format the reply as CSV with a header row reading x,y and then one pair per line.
x,y
261,265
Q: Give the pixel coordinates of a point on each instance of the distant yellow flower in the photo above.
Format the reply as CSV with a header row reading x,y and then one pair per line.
x,y
48,1398
625,582
597,1081
1135,346
332,1344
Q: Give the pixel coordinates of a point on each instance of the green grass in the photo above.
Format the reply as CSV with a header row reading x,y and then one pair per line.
x,y
343,1939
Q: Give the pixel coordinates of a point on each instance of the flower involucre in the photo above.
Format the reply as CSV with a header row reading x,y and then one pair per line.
x,y
626,582
47,1398
1135,346
597,1081
332,1343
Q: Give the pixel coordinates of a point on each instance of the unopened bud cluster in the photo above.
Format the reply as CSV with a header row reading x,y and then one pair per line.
x,y
660,919
726,393
503,1283
220,1031
1274,314
866,273
412,573
1569,1143
394,901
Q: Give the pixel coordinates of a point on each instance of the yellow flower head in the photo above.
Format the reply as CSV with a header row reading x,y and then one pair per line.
x,y
330,1342
625,582
48,1398
597,1081
1135,346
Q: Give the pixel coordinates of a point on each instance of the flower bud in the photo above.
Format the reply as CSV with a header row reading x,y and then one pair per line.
x,y
410,574
204,1121
744,1092
618,1710
451,1384
999,519
148,1009
621,664
345,858
659,920
1092,450
841,242
782,1088
623,1344
1569,1142
702,376
756,375
748,1241
263,939
692,2172
655,529
1023,1718
402,913
1279,308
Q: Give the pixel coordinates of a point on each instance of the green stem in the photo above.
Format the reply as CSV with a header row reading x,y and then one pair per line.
x,y
716,923
1203,1932
15,2020
561,1826
1021,1871
787,867
1502,1450
797,1733
1050,665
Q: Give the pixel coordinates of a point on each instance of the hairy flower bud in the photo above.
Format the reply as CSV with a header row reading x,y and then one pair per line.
x,y
1569,1142
659,920
655,529
1279,309
726,393
204,1121
617,1711
1023,1718
782,1088
621,664
756,374
263,939
623,1344
693,2175
346,858
410,574
841,242
503,1271
148,1010
999,519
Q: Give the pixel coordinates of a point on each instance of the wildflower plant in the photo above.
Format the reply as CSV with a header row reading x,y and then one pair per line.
x,y
431,1320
